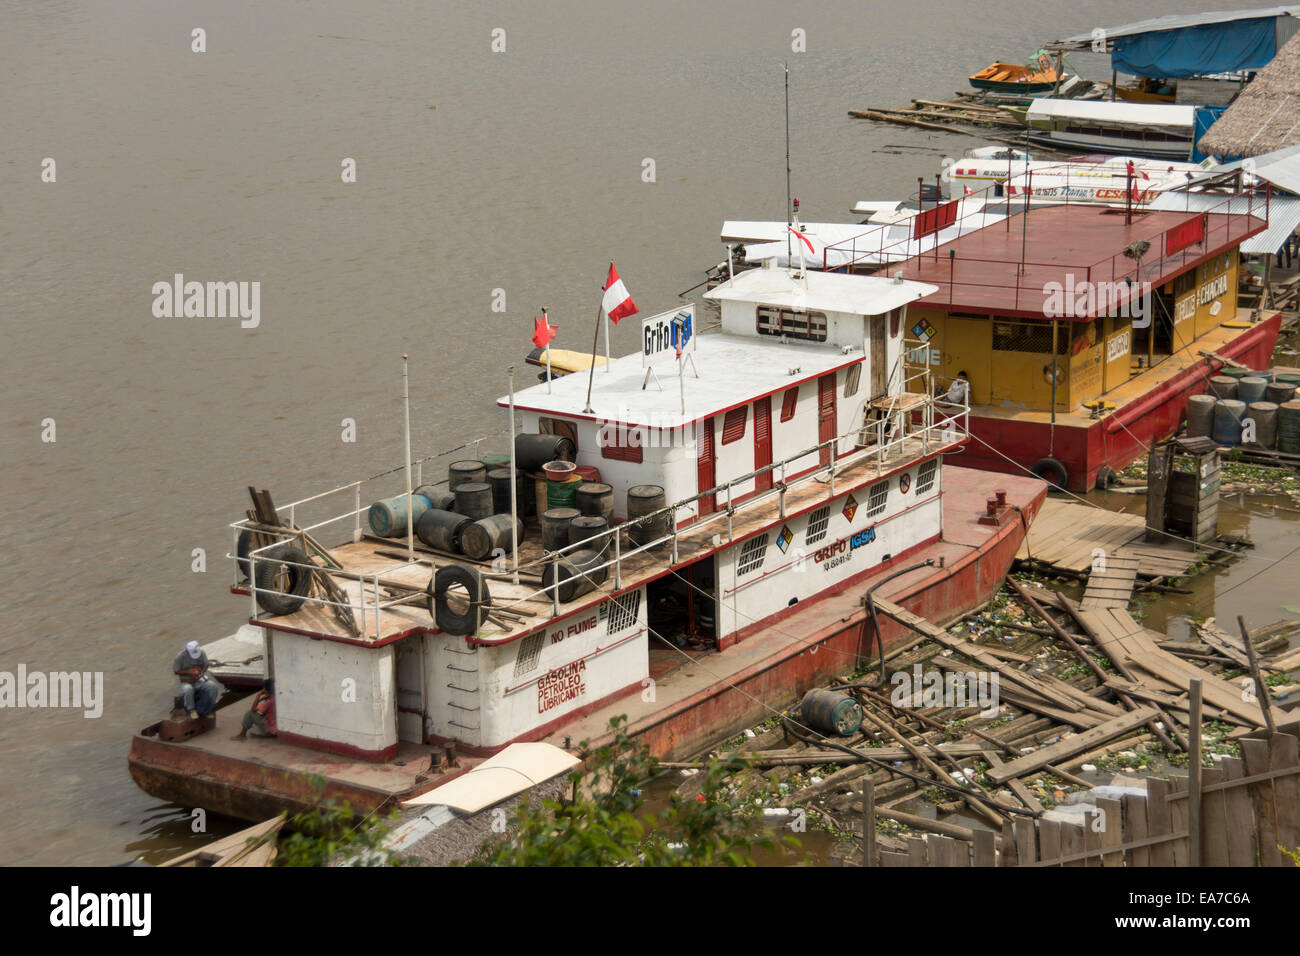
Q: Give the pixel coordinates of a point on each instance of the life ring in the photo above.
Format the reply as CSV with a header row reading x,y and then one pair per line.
x,y
298,566
1052,472
469,620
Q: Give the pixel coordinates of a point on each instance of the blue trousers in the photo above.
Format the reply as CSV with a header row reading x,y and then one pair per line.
x,y
201,697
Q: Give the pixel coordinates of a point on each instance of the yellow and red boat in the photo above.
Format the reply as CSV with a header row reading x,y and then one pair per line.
x,y
1038,77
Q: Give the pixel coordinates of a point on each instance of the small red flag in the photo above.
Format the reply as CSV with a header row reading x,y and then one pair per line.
x,y
543,331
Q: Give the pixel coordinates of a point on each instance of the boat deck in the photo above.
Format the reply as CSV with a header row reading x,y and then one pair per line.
x,y
1141,382
1067,532
529,609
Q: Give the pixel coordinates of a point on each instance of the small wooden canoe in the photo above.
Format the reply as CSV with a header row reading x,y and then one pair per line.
x,y
1015,78
254,847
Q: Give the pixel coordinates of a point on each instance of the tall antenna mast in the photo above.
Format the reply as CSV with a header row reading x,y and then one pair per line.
x,y
788,221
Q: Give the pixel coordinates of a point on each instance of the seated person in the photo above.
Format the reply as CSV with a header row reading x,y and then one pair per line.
x,y
199,693
260,718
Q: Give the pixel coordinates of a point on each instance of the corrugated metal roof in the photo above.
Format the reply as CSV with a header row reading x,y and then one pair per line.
x,y
1116,112
1179,21
1283,215
1280,167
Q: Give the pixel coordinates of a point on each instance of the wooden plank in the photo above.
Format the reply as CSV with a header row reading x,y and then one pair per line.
x,y
1283,749
1178,815
894,858
1049,840
1112,587
1223,643
1026,844
916,851
1217,691
1158,821
1135,828
1112,830
1009,856
1071,842
944,851
983,852
1239,813
1018,787
1070,746
1214,832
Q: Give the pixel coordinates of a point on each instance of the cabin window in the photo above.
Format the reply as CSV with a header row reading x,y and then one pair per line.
x,y
530,650
851,379
818,522
788,402
622,612
877,497
752,553
792,324
558,426
1029,337
733,426
925,475
626,450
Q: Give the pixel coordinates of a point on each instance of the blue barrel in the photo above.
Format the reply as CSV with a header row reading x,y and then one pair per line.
x,y
1251,389
388,517
1228,414
1288,428
1200,416
831,712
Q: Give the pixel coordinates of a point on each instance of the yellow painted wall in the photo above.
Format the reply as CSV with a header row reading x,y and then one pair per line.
x,y
1219,274
1086,363
1116,357
959,345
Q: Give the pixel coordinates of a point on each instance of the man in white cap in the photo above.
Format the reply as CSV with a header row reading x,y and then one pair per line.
x,y
199,692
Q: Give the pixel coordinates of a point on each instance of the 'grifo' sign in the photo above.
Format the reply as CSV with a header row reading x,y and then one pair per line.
x,y
661,334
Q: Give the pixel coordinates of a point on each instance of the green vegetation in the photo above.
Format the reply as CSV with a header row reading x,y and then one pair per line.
x,y
603,823
330,831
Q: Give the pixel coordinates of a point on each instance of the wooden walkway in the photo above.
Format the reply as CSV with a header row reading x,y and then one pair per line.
x,y
1110,584
1067,534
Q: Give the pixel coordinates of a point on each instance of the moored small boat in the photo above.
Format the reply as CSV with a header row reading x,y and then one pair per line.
x,y
1038,77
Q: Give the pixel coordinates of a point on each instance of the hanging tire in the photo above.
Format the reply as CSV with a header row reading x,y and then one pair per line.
x,y
1052,472
242,547
269,569
1107,477
449,621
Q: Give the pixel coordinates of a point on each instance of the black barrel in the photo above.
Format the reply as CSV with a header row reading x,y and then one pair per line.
x,y
578,574
460,472
1264,415
474,499
533,451
1288,427
482,538
555,527
441,530
439,498
595,499
588,526
1279,392
644,500
499,479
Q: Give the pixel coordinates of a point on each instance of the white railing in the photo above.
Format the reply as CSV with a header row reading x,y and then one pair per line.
x,y
925,421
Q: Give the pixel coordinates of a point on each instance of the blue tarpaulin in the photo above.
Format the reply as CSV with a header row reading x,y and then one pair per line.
x,y
1199,50
1205,117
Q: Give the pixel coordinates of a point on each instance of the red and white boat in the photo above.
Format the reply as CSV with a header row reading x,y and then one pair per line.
x,y
800,466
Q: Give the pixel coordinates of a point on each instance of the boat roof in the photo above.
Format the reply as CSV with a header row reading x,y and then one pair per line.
x,y
827,291
983,273
733,370
1283,215
1280,167
1117,111
1174,22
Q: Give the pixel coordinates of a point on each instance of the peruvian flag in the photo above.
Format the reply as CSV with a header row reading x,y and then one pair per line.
x,y
1134,173
802,238
617,303
543,331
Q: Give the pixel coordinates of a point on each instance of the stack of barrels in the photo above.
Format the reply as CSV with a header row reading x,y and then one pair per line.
x,y
1239,395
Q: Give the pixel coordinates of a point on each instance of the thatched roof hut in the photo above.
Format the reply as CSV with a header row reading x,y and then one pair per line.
x,y
1266,116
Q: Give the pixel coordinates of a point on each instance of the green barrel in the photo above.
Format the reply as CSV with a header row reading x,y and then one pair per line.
x,y
1288,428
831,713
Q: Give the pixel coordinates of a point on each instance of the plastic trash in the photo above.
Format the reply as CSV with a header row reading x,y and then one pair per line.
x,y
1089,768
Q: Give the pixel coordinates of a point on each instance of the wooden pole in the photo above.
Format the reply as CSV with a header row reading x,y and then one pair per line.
x,y
868,822
1194,774
1261,689
595,339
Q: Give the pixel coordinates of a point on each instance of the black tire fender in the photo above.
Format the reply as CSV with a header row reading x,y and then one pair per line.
x,y
452,622
271,599
1050,470
1107,477
242,547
